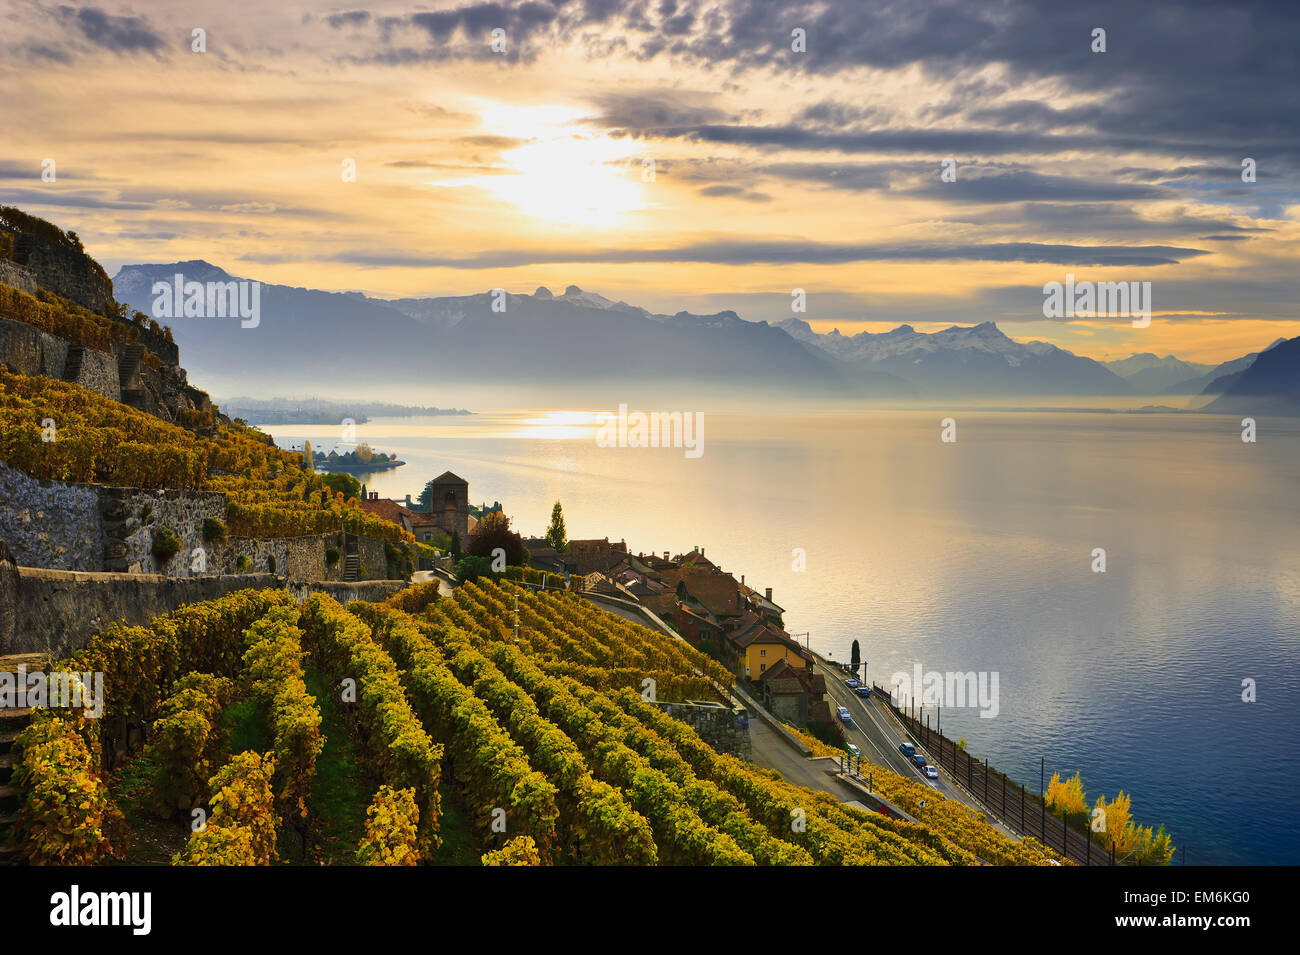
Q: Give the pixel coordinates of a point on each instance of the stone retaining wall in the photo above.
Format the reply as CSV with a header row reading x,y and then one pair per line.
x,y
27,350
50,523
716,725
57,611
89,527
16,276
371,591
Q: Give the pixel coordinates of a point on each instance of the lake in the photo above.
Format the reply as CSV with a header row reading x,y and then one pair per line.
x,y
978,555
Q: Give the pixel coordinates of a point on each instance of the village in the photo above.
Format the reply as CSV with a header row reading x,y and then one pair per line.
x,y
701,602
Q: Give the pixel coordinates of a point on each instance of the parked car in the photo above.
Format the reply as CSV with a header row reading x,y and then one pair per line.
x,y
844,715
852,750
907,749
931,772
919,760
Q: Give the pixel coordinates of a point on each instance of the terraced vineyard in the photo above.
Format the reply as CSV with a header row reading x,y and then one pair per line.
x,y
268,491
544,744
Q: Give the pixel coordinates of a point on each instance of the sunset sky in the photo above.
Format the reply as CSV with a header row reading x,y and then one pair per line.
x,y
772,169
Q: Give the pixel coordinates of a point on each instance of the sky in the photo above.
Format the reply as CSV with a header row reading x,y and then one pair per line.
x,y
688,155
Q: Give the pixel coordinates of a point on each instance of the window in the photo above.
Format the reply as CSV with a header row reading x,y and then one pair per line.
x,y
762,667
762,653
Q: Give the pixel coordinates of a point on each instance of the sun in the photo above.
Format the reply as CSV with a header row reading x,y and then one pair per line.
x,y
562,173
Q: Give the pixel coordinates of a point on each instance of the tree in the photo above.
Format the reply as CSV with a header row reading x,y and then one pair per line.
x,y
345,484
1067,795
555,535
494,533
307,456
855,657
364,453
455,545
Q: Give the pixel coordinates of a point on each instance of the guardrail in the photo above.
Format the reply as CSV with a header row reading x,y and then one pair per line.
x,y
1004,798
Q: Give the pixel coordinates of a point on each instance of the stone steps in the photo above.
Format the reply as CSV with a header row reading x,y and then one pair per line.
x,y
72,367
129,364
351,567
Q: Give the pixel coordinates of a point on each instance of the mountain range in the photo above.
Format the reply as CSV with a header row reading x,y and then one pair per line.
x,y
579,343
1149,374
976,361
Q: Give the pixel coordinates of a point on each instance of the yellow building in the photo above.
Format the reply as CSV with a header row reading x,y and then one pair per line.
x,y
761,645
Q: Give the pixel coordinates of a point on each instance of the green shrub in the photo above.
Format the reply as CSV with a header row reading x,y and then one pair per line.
x,y
472,568
165,544
401,560
184,745
270,563
213,530
332,556
242,563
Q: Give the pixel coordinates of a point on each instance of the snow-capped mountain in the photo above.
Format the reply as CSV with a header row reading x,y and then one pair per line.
x,y
974,360
579,340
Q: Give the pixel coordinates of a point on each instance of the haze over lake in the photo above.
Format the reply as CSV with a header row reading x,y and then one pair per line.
x,y
976,556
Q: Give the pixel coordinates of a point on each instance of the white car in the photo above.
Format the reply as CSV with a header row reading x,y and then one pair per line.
x,y
931,772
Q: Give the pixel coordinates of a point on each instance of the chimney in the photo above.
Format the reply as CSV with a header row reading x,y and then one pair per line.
x,y
742,580
769,594
665,555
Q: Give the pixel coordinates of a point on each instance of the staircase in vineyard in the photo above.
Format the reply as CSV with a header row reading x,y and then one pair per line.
x,y
13,720
72,367
128,367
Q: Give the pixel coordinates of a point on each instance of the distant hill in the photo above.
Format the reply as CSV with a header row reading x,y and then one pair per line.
x,y
1213,381
577,339
1270,386
579,345
275,411
1148,374
973,360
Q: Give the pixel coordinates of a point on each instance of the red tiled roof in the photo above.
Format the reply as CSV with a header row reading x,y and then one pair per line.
x,y
390,511
717,592
660,603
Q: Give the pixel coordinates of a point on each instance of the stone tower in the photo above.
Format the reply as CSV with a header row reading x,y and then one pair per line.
x,y
449,504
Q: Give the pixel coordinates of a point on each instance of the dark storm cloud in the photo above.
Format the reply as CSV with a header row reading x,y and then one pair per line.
x,y
648,111
1021,186
974,185
1189,80
751,252
121,34
348,18
1103,219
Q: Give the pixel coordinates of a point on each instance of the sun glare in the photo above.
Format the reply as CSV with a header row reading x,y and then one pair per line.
x,y
562,172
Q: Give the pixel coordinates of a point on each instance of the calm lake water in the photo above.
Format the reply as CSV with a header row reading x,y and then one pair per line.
x,y
977,556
